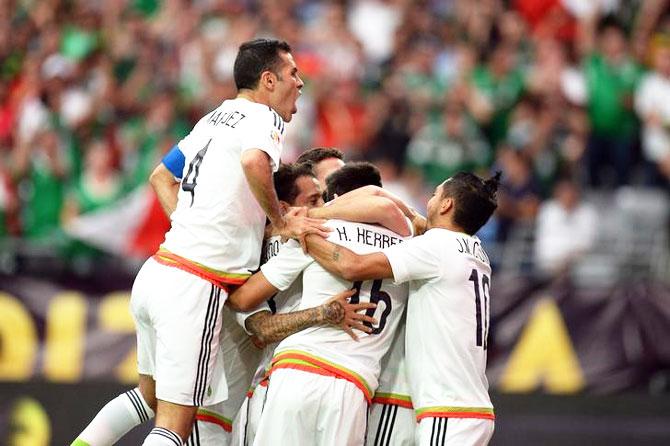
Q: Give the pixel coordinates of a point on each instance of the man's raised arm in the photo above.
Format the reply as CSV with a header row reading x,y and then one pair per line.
x,y
257,168
345,263
366,209
359,198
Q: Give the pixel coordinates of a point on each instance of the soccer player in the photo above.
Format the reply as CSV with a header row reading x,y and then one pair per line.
x,y
215,239
325,160
318,371
448,311
296,185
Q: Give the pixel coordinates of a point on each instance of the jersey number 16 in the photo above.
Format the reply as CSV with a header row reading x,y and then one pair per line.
x,y
376,296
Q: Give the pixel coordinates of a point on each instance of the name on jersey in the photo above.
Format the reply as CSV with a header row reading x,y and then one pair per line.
x,y
229,119
368,237
271,249
474,248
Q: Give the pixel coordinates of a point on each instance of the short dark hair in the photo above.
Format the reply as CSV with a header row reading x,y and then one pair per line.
x,y
285,180
350,177
254,57
318,154
474,199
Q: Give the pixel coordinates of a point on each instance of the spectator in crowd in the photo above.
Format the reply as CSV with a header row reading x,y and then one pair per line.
x,y
41,168
652,103
452,144
543,88
98,186
518,195
502,82
611,77
565,229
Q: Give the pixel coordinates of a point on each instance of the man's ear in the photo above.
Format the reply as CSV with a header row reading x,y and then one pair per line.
x,y
283,206
268,80
446,205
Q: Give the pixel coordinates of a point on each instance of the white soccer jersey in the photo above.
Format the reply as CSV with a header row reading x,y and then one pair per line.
x,y
329,350
447,322
218,224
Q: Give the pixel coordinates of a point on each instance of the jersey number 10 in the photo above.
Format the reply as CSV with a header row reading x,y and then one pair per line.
x,y
482,322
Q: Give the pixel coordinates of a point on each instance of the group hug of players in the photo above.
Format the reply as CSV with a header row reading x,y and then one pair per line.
x,y
365,324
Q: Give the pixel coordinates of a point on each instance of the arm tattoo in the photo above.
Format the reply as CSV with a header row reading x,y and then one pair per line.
x,y
273,328
336,253
334,312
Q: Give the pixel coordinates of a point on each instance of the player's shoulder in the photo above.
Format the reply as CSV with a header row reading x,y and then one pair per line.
x,y
261,116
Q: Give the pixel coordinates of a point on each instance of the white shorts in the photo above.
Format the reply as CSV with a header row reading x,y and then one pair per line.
x,y
460,431
391,425
303,408
178,321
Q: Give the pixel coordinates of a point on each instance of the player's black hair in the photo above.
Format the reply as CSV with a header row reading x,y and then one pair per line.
x,y
285,180
474,199
254,57
318,154
352,176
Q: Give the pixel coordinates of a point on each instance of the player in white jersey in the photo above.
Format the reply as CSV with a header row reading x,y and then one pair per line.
x,y
391,421
448,310
215,239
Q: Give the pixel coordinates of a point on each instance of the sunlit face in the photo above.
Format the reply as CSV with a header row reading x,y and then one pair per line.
x,y
309,192
287,88
433,206
324,168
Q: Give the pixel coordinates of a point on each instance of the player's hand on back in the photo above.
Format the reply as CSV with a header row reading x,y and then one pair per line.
x,y
298,225
340,312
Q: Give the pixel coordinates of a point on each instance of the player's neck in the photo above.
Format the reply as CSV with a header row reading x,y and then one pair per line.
x,y
444,223
253,96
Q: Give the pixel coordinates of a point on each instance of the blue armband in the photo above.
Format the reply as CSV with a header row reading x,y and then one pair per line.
x,y
174,161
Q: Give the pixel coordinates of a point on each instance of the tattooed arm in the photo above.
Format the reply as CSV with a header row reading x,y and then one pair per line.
x,y
347,264
268,328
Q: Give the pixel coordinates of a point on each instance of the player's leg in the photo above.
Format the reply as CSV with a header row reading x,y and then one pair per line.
x,y
290,413
117,417
186,315
461,431
390,424
138,405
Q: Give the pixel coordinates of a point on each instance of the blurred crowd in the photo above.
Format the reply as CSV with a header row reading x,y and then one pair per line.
x,y
562,96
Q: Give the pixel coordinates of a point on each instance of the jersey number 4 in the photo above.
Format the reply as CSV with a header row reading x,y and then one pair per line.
x,y
482,322
376,296
189,183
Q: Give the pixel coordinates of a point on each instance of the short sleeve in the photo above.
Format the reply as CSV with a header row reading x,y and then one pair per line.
x,y
242,317
282,270
414,259
174,161
265,133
